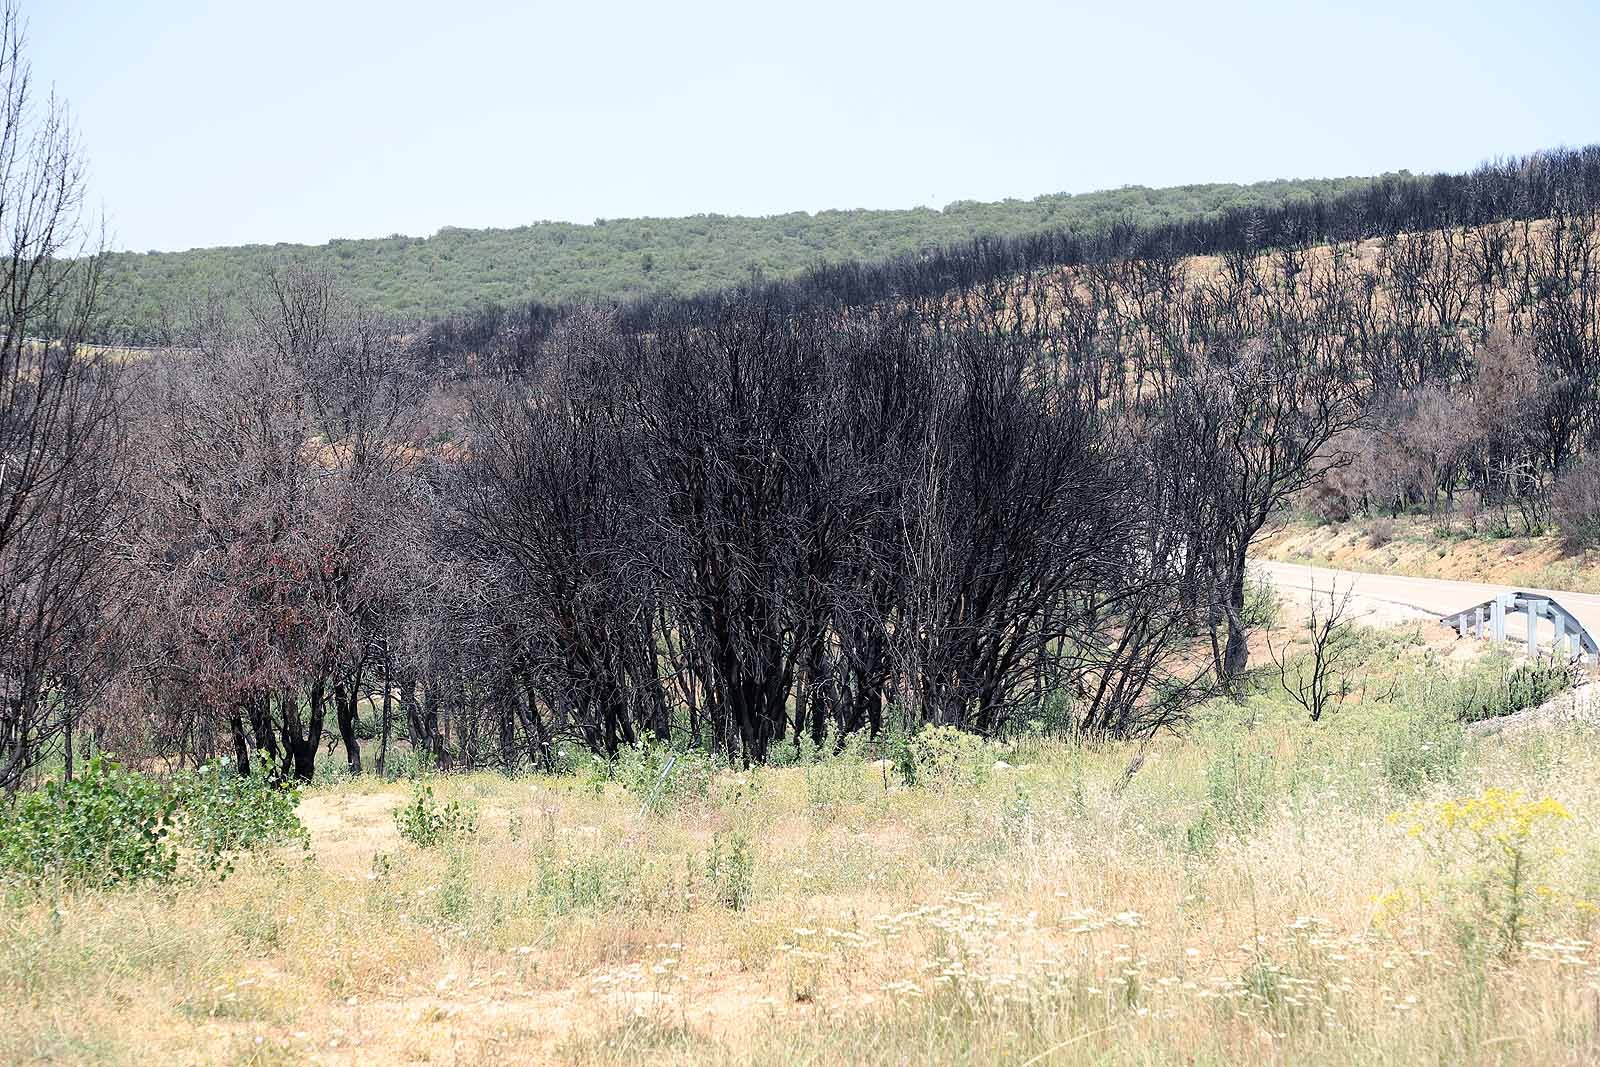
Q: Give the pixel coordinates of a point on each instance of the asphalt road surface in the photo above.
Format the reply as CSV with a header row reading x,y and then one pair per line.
x,y
1384,599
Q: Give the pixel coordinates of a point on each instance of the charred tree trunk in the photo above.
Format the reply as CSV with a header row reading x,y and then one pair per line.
x,y
345,699
384,720
302,739
241,746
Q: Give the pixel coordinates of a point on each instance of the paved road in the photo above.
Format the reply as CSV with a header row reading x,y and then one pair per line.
x,y
1385,598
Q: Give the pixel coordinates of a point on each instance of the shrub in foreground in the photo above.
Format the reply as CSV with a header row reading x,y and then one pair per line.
x,y
106,827
223,814
426,823
111,826
943,757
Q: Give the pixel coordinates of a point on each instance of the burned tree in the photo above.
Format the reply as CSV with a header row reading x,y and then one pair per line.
x,y
268,552
567,610
1014,513
58,426
1256,427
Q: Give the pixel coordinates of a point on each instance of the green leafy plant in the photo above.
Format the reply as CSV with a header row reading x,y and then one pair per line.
x,y
106,827
1499,689
223,813
731,870
662,779
943,757
427,824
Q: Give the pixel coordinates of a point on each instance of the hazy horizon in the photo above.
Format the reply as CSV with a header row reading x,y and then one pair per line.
x,y
219,126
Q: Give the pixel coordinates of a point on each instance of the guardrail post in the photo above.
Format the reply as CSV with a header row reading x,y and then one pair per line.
x,y
1480,622
1536,611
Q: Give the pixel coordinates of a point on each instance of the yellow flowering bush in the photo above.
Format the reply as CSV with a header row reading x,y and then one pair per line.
x,y
1492,845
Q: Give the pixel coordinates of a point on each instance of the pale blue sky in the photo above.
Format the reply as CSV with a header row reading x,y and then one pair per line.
x,y
302,120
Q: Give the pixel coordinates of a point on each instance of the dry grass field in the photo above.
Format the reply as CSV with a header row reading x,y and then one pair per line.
x,y
1258,890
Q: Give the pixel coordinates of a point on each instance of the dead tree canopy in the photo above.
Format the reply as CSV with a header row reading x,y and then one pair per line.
x,y
58,447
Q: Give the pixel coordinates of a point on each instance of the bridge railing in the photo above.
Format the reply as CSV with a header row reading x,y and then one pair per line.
x,y
1487,621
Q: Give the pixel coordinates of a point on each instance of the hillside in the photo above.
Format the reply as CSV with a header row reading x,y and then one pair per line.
x,y
557,262
1454,548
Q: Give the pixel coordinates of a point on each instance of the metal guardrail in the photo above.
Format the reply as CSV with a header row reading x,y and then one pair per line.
x,y
1488,621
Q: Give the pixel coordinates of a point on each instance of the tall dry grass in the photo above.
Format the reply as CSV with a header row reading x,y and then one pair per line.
x,y
1243,898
